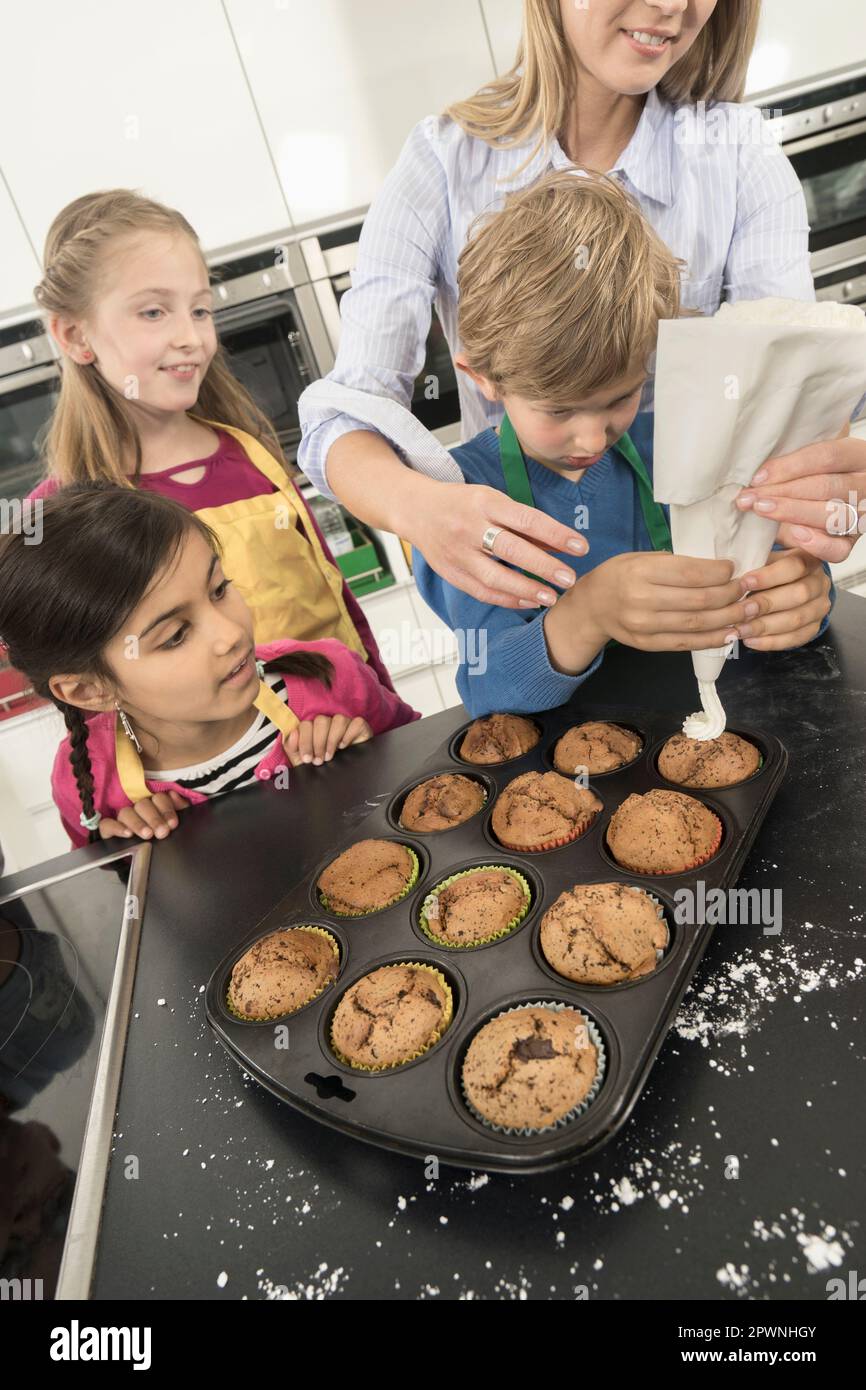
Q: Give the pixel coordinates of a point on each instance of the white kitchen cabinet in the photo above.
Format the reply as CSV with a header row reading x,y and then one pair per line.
x,y
107,93
30,828
19,265
420,690
339,84
796,42
446,679
392,619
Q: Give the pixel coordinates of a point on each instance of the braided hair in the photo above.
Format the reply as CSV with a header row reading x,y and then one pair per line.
x,y
79,757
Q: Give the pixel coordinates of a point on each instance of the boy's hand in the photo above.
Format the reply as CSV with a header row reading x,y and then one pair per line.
x,y
317,740
152,816
793,592
660,602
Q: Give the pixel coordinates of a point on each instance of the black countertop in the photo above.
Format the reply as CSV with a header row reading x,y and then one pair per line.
x,y
739,1174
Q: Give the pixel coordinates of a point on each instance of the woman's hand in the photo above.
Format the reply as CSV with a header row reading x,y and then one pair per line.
x,y
792,591
448,526
317,740
799,490
152,816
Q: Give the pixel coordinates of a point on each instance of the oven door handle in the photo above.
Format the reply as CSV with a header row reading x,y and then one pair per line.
x,y
256,311
828,137
17,381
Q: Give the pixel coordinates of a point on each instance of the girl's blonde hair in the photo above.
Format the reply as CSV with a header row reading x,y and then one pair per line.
x,y
561,293
92,433
534,97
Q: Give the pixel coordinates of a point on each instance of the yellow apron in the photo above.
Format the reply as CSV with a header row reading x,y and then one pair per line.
x,y
274,558
129,766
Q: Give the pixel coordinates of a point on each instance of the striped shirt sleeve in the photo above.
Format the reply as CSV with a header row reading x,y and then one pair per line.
x,y
769,251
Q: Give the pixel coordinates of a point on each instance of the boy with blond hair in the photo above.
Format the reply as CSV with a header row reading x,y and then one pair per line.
x,y
561,294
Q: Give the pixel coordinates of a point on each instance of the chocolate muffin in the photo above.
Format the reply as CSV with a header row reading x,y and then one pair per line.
x,y
540,810
596,746
476,906
441,802
711,762
367,876
390,1016
282,972
603,933
530,1068
662,832
496,738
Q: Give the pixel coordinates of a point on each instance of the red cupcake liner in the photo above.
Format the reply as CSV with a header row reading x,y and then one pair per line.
x,y
581,829
687,868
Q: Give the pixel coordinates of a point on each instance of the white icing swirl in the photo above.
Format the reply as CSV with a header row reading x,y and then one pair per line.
x,y
708,722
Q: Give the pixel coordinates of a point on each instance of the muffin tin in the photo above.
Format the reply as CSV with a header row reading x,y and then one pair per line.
x,y
418,1109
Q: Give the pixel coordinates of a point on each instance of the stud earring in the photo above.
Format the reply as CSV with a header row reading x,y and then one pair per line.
x,y
127,727
260,670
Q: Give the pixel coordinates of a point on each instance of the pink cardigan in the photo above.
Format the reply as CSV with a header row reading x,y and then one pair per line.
x,y
355,691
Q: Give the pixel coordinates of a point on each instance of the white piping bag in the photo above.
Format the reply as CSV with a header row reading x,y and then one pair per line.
x,y
760,378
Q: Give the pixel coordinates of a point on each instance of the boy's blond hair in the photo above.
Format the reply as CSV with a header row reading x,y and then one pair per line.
x,y
561,292
92,436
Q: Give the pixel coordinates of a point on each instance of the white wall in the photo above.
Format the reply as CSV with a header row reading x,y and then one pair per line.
x,y
798,40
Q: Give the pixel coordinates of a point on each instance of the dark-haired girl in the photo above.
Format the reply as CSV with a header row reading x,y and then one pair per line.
x,y
123,617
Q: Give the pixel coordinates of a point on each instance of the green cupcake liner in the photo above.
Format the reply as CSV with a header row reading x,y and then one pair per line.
x,y
419,1052
365,912
423,916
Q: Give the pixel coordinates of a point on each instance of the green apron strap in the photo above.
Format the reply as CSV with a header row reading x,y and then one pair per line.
x,y
654,517
517,483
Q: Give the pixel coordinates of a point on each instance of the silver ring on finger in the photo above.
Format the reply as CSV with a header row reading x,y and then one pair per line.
x,y
489,538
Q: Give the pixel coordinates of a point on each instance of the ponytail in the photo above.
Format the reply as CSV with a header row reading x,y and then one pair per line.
x,y
309,665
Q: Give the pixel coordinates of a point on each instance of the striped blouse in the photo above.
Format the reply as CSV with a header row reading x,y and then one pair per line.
x,y
236,767
713,183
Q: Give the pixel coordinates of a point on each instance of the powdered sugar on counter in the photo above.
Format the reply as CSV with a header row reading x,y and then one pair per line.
x,y
823,1249
735,999
316,1288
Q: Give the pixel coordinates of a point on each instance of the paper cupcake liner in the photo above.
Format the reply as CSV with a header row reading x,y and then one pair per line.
x,y
365,911
410,830
614,984
269,1018
659,906
480,940
579,830
601,1065
657,873
437,1034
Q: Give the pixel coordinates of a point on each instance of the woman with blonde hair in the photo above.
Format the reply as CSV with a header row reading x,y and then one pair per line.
x,y
647,91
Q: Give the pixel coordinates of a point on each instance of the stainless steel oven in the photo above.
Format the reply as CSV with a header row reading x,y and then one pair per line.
x,y
29,383
822,128
330,256
270,325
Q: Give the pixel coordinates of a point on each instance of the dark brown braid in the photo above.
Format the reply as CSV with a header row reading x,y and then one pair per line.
x,y
79,757
311,665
